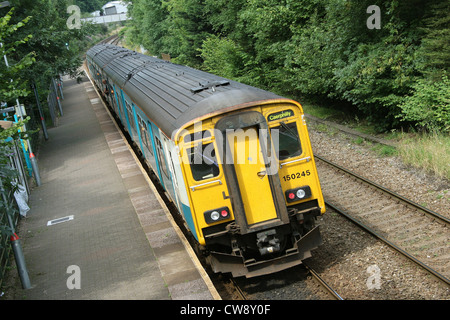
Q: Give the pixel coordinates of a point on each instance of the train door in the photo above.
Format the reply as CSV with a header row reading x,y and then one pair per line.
x,y
161,163
251,174
253,184
206,187
129,116
116,100
122,109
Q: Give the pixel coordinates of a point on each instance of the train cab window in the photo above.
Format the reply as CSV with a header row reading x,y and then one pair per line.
x,y
203,161
289,141
197,136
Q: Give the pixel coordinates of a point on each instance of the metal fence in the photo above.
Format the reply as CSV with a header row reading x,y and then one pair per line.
x,y
54,99
107,18
11,208
22,160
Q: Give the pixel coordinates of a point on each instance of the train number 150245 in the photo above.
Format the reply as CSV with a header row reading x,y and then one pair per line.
x,y
296,175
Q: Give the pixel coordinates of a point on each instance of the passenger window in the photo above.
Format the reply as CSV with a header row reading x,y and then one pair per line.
x,y
289,142
130,115
161,158
203,162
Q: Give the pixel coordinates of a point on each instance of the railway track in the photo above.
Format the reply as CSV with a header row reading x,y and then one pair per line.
x,y
114,39
297,279
418,233
333,293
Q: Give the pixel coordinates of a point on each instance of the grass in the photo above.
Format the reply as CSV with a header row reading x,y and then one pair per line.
x,y
385,151
322,112
427,151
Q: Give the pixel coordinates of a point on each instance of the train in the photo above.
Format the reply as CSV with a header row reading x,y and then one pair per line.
x,y
235,160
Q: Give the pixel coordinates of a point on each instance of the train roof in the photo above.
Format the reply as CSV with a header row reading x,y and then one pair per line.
x,y
171,95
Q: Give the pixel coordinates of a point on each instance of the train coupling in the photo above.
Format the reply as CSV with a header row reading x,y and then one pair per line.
x,y
267,242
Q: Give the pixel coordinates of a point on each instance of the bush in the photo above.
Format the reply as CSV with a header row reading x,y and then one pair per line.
x,y
429,104
221,56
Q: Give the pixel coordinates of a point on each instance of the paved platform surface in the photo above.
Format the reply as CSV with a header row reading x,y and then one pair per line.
x,y
120,244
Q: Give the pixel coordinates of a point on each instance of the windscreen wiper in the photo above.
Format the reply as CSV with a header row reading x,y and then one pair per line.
x,y
284,125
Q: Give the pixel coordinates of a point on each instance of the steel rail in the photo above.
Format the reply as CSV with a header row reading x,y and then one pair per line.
x,y
429,212
374,233
323,283
395,247
238,289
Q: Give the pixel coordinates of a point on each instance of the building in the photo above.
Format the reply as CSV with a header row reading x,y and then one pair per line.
x,y
113,11
112,7
115,7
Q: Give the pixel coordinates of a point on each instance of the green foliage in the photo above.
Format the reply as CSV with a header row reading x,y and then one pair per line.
x,y
90,5
176,27
40,27
429,104
429,151
222,57
7,136
436,41
12,84
8,174
148,27
316,49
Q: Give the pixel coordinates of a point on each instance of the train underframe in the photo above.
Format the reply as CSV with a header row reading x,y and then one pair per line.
x,y
266,251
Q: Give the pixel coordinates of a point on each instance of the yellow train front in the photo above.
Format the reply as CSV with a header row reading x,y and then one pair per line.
x,y
253,184
235,160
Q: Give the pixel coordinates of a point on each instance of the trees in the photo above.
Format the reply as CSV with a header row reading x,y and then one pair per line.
x,y
148,27
428,102
176,27
50,35
320,49
12,84
90,5
54,48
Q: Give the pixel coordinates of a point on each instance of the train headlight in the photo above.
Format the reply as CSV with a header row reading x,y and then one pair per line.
x,y
298,194
216,214
301,193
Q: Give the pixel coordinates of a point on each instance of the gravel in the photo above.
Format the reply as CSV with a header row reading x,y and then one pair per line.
x,y
356,264
424,189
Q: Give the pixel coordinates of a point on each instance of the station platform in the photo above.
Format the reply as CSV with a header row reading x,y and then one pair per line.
x,y
97,229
